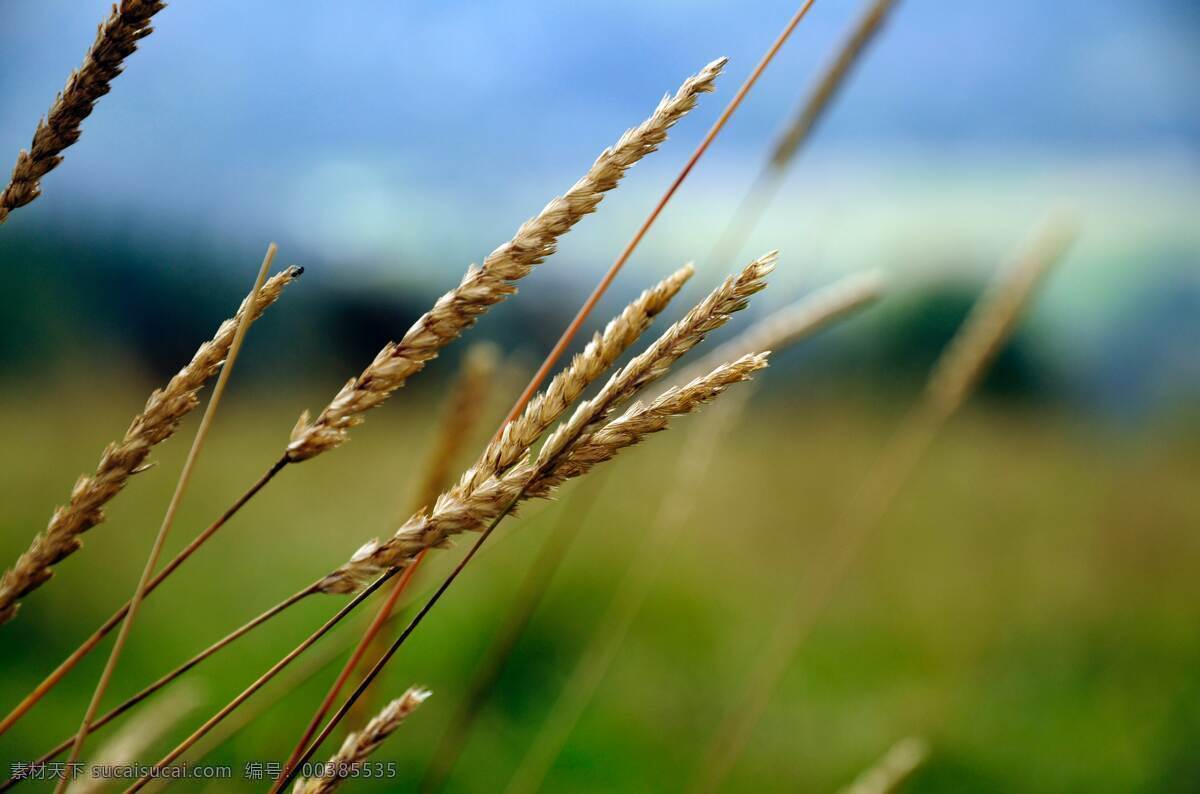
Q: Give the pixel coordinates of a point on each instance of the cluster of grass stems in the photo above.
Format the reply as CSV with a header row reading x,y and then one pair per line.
x,y
551,435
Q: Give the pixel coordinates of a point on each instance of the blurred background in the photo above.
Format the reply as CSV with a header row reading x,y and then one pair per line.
x,y
1030,604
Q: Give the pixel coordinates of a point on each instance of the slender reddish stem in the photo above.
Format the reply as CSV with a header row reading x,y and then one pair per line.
x,y
381,617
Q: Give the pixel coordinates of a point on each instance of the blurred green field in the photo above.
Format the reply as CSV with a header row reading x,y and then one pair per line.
x,y
1030,605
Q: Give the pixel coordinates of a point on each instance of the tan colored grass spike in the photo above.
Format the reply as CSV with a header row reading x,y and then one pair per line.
x,y
116,39
897,764
165,409
358,746
509,446
708,315
469,510
788,325
545,409
640,420
458,513
181,486
484,286
966,357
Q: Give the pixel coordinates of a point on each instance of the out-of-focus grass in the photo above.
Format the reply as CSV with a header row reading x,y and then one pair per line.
x,y
1029,605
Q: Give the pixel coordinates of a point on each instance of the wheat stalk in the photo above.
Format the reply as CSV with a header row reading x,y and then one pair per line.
x,y
358,746
165,409
116,39
610,275
485,286
707,316
465,509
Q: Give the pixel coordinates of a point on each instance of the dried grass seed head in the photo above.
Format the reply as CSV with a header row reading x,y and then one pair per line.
x,y
116,39
359,746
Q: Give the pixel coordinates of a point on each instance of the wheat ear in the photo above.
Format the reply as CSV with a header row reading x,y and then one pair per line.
x,y
165,409
707,316
116,39
470,509
640,420
485,286
544,409
358,746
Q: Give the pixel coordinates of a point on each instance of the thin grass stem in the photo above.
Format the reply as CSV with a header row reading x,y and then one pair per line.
x,y
262,680
181,486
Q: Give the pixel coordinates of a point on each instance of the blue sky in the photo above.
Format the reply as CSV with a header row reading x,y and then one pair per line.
x,y
397,142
